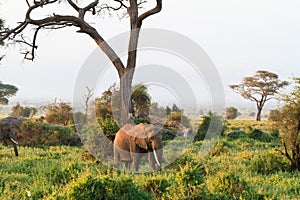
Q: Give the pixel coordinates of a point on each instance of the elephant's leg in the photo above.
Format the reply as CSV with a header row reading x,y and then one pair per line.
x,y
151,160
16,150
136,161
127,164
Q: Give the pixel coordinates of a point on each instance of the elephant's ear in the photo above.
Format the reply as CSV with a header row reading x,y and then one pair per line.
x,y
141,142
140,136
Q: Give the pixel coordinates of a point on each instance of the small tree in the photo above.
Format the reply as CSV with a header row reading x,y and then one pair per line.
x,y
259,88
141,101
60,114
20,111
289,126
6,91
231,113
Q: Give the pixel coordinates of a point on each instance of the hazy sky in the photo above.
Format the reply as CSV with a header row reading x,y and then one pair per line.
x,y
240,36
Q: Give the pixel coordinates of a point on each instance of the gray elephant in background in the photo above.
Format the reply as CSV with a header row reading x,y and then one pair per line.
x,y
7,134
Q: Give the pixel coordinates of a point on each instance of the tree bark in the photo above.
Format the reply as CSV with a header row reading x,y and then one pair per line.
x,y
125,95
258,115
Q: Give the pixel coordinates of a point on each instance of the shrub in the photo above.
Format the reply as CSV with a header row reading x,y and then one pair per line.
x,y
227,183
106,187
188,183
211,126
109,127
236,134
261,136
268,163
157,185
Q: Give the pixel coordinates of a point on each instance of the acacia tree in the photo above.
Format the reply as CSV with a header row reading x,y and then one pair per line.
x,y
55,21
6,91
288,122
259,88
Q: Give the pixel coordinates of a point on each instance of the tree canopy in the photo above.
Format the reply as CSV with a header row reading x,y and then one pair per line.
x,y
260,88
6,91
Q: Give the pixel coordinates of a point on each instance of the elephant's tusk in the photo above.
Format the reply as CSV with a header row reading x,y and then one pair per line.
x,y
155,156
14,141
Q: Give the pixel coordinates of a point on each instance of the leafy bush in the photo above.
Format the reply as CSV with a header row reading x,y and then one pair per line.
x,y
268,163
236,134
227,183
261,136
211,127
106,187
109,127
33,134
188,183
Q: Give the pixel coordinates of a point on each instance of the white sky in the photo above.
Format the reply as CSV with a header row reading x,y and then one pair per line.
x,y
240,36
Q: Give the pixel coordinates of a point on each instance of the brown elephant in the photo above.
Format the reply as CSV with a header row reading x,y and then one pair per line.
x,y
131,142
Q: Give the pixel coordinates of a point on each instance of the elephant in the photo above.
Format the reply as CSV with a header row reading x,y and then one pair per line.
x,y
7,126
133,141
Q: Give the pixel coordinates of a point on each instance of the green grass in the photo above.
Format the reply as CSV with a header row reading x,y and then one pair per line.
x,y
243,168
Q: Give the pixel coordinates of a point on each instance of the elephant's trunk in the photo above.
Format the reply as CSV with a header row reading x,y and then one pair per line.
x,y
155,156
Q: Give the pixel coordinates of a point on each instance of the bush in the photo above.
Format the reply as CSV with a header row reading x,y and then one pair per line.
x,y
34,134
268,163
109,127
227,183
211,127
261,136
106,187
236,134
188,183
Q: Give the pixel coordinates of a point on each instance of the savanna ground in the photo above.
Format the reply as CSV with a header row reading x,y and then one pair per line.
x,y
238,167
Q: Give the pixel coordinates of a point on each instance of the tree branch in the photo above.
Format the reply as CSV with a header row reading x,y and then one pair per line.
x,y
150,12
73,5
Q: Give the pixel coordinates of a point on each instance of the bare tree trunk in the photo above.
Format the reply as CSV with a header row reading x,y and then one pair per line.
x,y
125,95
258,115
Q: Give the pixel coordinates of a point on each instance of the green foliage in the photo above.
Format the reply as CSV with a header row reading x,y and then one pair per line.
x,y
141,100
188,183
6,91
94,139
211,126
141,120
105,187
227,183
236,134
268,163
109,127
20,111
260,135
